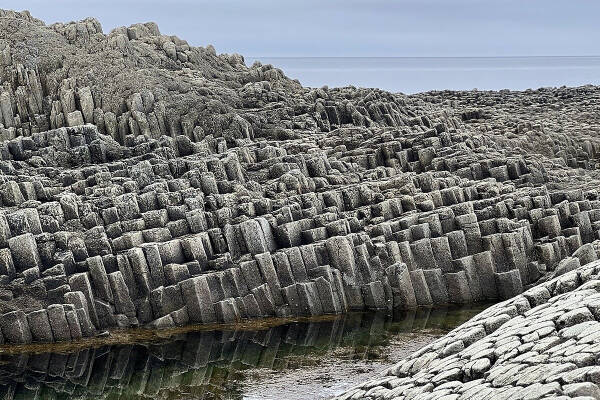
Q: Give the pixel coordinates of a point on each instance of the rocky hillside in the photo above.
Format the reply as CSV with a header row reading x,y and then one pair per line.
x,y
149,182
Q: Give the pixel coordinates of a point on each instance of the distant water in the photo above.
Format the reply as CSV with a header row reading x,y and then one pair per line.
x,y
419,74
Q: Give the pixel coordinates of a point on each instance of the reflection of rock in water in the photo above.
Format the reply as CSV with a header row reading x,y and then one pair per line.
x,y
200,364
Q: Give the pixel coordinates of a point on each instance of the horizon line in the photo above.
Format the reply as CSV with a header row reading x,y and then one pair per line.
x,y
517,56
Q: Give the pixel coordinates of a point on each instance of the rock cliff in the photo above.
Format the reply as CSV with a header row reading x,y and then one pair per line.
x,y
149,182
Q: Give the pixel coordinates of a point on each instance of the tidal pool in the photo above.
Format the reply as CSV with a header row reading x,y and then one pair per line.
x,y
299,359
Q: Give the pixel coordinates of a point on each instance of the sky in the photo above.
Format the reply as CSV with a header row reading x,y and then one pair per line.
x,y
352,28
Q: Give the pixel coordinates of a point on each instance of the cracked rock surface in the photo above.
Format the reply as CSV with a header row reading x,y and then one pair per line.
x,y
543,343
148,182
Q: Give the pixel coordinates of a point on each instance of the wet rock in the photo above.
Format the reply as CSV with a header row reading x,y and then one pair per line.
x,y
59,323
122,299
434,279
420,287
458,288
402,288
509,284
197,297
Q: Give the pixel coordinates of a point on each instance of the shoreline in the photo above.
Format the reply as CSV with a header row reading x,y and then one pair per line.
x,y
297,358
142,335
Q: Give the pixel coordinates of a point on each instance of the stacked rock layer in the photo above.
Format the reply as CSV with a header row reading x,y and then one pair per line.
x,y
149,182
543,343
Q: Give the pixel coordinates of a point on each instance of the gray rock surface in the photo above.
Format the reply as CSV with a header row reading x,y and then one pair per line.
x,y
542,343
149,182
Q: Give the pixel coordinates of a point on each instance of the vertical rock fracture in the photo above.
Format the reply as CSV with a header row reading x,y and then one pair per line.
x,y
148,182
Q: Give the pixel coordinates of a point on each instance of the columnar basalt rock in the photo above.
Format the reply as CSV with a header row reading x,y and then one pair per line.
x,y
540,344
149,182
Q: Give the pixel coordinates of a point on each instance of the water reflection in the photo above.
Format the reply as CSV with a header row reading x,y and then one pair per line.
x,y
208,364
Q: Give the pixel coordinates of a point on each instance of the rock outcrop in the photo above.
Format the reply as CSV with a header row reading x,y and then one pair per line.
x,y
149,182
540,344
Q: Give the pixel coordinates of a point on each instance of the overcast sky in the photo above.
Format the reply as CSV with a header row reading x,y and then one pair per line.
x,y
352,27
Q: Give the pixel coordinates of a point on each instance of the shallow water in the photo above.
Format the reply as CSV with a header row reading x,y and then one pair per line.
x,y
420,74
295,360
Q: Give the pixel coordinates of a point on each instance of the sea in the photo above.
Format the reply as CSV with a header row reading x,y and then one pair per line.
x,y
420,74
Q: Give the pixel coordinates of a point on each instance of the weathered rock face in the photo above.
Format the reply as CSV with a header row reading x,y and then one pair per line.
x,y
540,344
149,182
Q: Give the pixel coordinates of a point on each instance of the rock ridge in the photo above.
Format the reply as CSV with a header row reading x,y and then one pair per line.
x,y
148,182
